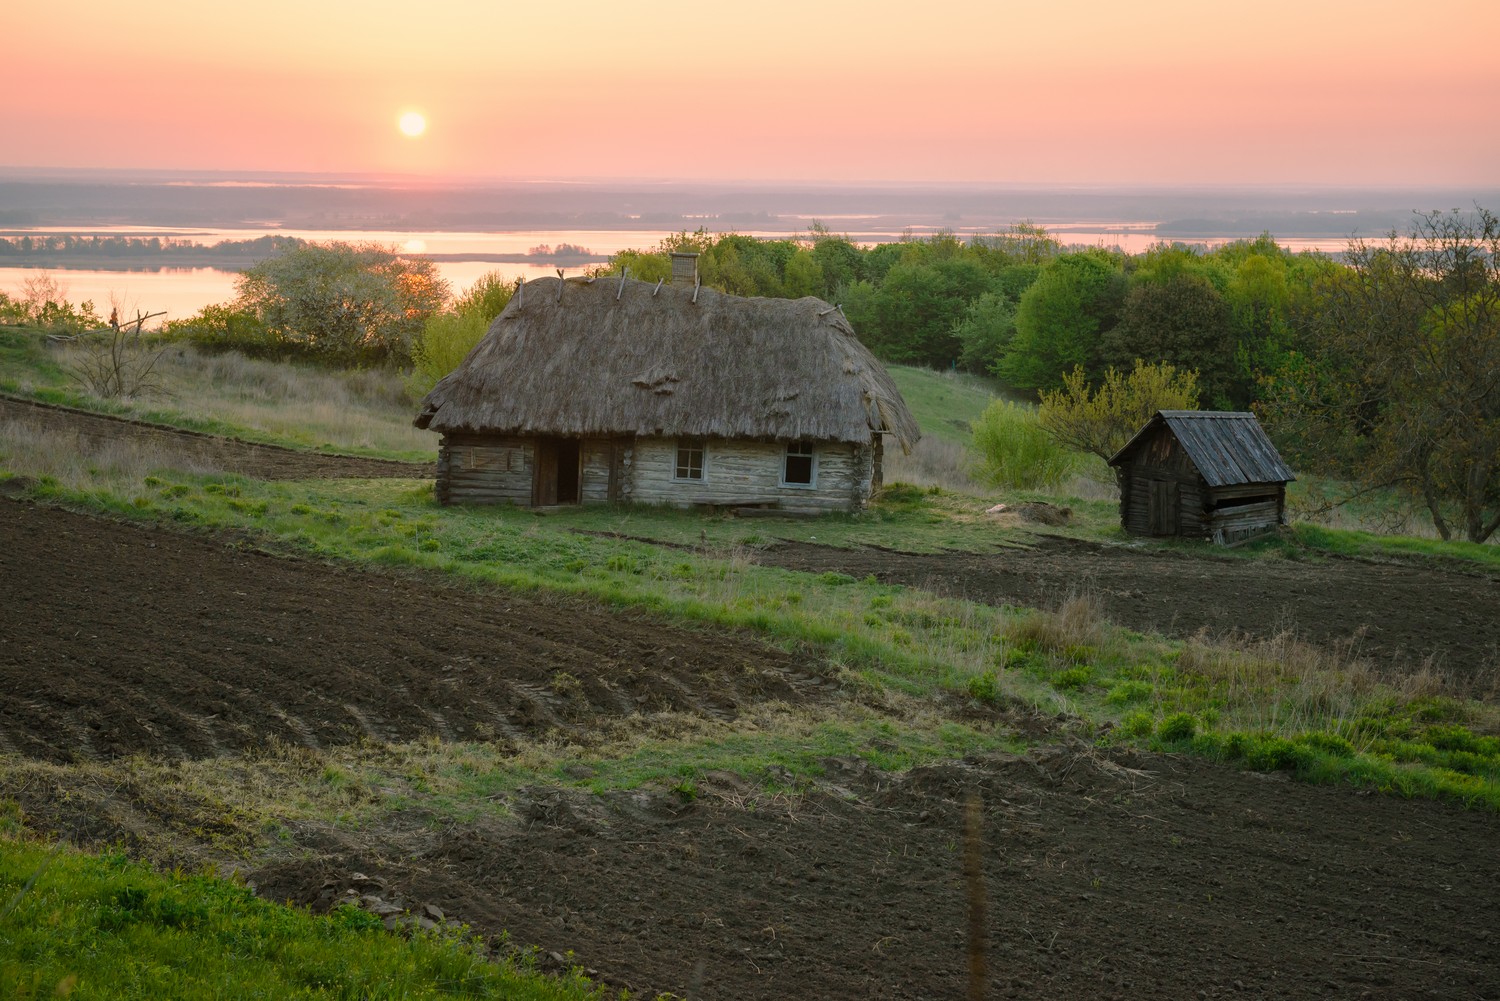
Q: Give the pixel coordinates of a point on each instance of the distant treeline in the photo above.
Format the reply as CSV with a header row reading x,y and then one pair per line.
x,y
108,245
102,250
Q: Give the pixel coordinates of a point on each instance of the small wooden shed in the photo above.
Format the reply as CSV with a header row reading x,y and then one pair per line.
x,y
1201,474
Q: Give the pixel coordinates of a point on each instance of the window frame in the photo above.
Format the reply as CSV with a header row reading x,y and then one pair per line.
x,y
689,445
811,454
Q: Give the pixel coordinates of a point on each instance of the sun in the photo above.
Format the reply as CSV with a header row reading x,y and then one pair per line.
x,y
412,124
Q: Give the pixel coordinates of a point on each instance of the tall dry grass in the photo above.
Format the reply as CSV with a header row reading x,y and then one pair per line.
x,y
933,462
83,463
363,409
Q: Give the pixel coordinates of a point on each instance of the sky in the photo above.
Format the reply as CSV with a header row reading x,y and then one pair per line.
x,y
1362,93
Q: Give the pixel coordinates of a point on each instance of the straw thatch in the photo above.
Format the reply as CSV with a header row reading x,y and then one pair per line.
x,y
602,359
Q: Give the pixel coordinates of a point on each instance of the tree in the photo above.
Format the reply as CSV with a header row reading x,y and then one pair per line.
x,y
920,303
449,336
1102,420
1060,318
345,303
1182,320
1397,382
984,332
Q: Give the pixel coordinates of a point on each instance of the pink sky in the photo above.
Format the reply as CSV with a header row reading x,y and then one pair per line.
x,y
1049,91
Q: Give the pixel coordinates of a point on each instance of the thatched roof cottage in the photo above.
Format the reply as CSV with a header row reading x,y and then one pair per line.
x,y
612,389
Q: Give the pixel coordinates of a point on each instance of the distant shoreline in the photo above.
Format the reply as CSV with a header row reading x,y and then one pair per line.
x,y
165,261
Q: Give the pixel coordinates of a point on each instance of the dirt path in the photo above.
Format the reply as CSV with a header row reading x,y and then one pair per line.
x,y
266,462
1134,876
1402,611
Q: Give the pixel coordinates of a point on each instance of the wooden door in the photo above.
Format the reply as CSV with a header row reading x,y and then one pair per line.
x,y
544,475
1165,503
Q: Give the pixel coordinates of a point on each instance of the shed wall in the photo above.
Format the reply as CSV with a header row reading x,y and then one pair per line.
x,y
1160,465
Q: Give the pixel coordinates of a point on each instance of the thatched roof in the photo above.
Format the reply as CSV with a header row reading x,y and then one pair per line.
x,y
591,358
1229,448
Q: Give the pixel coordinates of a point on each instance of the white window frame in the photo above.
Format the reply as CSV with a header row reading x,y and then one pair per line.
x,y
686,444
812,474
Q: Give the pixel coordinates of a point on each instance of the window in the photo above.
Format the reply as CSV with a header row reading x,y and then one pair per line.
x,y
800,464
689,459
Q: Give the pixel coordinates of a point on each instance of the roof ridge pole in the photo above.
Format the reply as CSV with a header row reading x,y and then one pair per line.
x,y
559,284
624,273
830,309
658,287
696,285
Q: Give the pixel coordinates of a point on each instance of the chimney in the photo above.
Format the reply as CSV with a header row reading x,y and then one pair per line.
x,y
684,269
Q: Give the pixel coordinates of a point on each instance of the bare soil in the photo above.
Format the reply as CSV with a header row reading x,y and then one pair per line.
x,y
1124,876
121,640
1107,875
1400,612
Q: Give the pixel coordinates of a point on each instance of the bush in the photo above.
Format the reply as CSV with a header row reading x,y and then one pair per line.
x,y
1015,452
1178,726
448,337
1138,724
1102,420
446,340
226,328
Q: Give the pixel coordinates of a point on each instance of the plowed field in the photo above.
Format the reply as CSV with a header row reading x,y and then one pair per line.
x,y
1107,876
1400,613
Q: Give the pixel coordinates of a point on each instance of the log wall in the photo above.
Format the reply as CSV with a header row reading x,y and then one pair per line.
x,y
749,473
484,469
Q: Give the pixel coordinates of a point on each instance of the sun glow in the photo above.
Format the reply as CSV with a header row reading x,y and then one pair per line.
x,y
412,123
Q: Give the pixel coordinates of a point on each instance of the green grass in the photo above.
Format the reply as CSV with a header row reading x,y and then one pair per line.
x,y
86,926
1348,542
946,404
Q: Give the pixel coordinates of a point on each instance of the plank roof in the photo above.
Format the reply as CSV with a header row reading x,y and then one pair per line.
x,y
1229,448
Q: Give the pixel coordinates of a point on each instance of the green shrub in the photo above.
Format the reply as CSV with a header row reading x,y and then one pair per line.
x,y
1015,452
1073,678
985,687
1178,726
1138,724
226,328
1126,692
446,340
1328,743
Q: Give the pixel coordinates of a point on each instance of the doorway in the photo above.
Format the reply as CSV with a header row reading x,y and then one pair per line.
x,y
559,472
1165,505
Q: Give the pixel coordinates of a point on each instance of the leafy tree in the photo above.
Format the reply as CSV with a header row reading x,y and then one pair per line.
x,y
841,262
487,297
1102,420
1021,243
1179,319
1060,317
985,331
920,305
449,336
1397,382
344,303
803,276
